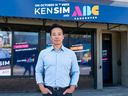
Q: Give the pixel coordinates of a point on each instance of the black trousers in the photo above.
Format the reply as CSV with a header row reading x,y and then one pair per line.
x,y
57,91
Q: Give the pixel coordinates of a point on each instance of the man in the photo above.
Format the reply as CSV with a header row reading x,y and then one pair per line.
x,y
3,53
59,66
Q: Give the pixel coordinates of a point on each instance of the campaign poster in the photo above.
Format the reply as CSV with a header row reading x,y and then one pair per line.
x,y
25,53
5,53
82,46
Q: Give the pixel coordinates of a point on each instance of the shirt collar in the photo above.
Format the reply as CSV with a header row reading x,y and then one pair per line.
x,y
62,48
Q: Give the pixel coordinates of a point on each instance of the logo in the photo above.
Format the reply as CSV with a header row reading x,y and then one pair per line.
x,y
67,11
62,9
85,12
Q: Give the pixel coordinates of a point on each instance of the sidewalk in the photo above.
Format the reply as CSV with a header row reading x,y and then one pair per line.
x,y
108,91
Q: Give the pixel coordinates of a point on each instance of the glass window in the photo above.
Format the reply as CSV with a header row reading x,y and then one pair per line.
x,y
48,40
25,53
81,44
5,53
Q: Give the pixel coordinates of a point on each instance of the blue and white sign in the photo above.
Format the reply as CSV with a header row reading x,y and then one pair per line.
x,y
64,11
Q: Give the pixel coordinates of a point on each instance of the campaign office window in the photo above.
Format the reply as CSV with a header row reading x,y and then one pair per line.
x,y
81,44
5,53
25,49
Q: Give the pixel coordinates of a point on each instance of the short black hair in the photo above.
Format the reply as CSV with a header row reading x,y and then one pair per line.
x,y
56,26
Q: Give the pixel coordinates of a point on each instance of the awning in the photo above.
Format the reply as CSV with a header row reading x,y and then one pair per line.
x,y
63,10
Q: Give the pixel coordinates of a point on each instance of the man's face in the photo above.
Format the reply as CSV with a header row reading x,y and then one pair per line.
x,y
1,42
57,36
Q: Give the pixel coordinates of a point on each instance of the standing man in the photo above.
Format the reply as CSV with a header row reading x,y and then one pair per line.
x,y
59,67
3,53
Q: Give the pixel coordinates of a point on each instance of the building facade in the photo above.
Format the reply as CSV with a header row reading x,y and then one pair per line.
x,y
101,44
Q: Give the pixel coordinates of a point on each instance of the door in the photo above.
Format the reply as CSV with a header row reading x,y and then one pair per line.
x,y
107,58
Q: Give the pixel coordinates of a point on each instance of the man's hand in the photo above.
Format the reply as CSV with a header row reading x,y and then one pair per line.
x,y
44,90
70,90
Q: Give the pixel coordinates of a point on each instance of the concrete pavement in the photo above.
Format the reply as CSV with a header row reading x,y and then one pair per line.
x,y
108,91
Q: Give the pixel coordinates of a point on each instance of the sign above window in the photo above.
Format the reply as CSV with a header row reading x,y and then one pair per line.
x,y
72,11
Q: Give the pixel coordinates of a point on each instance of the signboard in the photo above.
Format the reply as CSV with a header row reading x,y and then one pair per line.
x,y
25,53
5,53
64,11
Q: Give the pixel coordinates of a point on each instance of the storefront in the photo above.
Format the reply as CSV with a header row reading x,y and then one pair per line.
x,y
92,31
